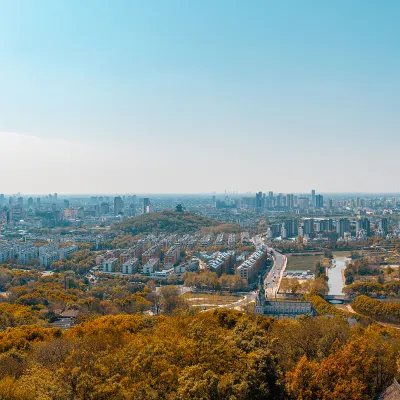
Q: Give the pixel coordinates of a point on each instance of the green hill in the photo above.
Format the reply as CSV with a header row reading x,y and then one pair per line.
x,y
164,221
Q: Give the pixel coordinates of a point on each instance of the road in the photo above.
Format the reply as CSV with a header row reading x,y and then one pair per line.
x,y
241,304
274,276
273,279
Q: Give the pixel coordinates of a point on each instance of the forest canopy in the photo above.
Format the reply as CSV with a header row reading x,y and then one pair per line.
x,y
220,354
164,221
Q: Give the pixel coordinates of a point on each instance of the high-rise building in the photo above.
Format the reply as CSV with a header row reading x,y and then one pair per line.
x,y
118,205
365,225
303,203
290,228
279,200
290,201
308,227
270,200
324,225
131,210
66,203
313,198
17,213
259,200
30,202
383,225
104,208
342,226
38,201
319,201
145,205
2,198
274,230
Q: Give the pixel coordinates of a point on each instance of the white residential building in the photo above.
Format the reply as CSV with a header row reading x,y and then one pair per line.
x,y
151,266
110,264
130,267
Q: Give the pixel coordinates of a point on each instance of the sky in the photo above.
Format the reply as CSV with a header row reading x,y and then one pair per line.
x,y
199,96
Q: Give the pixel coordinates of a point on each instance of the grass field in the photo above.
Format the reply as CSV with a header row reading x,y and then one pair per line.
x,y
210,300
302,263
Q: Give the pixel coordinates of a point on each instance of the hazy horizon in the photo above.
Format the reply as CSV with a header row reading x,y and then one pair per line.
x,y
198,97
205,194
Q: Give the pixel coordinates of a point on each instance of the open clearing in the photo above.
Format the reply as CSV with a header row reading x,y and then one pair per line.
x,y
210,300
302,263
341,253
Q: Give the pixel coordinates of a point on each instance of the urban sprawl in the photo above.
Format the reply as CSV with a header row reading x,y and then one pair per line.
x,y
254,248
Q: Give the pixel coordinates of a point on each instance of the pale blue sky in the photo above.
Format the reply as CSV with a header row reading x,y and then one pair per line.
x,y
199,96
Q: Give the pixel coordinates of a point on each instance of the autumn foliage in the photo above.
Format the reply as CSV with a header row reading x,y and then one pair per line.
x,y
164,221
381,311
221,354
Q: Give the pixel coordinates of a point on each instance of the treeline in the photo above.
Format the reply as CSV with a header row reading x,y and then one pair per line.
x,y
381,311
322,307
35,301
287,246
209,280
80,262
391,288
361,267
217,355
12,315
318,286
15,277
222,228
124,241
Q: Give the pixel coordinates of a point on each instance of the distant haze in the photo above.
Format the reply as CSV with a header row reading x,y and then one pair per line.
x,y
196,97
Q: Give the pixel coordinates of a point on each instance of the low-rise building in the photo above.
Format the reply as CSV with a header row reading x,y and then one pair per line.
x,y
47,259
173,254
130,267
250,268
151,266
25,257
281,308
109,265
64,252
220,240
231,240
163,274
153,252
245,238
220,264
192,265
51,252
205,241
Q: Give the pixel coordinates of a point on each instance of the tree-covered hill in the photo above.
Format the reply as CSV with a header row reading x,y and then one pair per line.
x,y
218,355
164,221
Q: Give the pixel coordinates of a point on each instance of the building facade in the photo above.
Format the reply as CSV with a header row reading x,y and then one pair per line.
x,y
281,308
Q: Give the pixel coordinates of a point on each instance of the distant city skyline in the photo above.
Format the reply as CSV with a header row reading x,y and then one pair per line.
x,y
62,195
196,97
